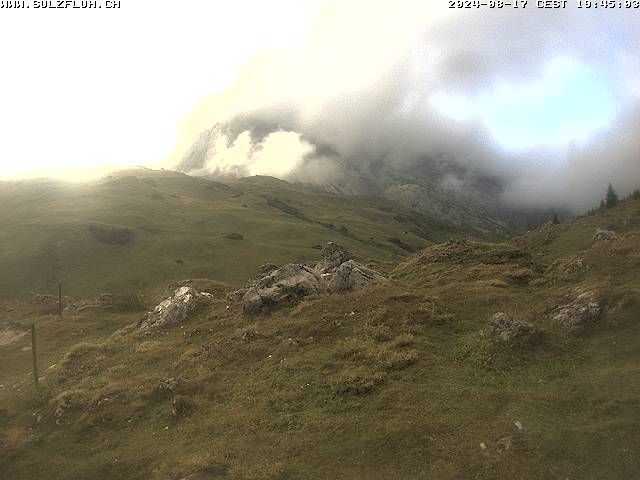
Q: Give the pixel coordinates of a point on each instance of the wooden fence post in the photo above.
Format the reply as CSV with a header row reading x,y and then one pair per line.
x,y
33,351
60,300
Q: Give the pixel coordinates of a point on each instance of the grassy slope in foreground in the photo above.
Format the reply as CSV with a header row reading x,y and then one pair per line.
x,y
389,382
140,229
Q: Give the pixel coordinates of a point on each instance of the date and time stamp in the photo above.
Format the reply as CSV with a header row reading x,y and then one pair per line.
x,y
59,4
457,4
546,4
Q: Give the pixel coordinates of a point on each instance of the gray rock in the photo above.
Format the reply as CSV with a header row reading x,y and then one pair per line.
x,y
335,272
348,276
605,235
285,284
173,310
577,313
505,329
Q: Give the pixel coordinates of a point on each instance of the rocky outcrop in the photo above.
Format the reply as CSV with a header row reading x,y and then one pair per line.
x,y
566,268
578,312
504,328
349,275
39,299
605,235
290,282
175,309
335,272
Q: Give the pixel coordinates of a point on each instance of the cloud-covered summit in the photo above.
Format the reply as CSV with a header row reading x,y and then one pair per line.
x,y
544,101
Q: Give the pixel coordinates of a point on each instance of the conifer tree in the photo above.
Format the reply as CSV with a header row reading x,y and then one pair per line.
x,y
612,197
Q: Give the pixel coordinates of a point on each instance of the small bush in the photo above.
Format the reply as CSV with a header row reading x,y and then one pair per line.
x,y
234,236
379,333
39,397
478,352
182,406
399,360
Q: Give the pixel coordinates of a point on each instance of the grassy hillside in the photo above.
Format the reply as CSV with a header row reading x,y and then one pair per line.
x,y
140,229
394,381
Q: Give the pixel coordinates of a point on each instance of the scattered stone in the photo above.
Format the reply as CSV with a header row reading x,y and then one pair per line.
x,y
249,335
569,266
504,328
66,401
174,310
195,332
39,299
605,235
504,443
577,313
62,407
292,342
167,386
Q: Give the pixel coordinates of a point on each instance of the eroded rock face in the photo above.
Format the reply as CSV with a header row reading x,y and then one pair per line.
x,y
504,328
175,309
335,272
284,284
605,235
577,313
349,275
570,266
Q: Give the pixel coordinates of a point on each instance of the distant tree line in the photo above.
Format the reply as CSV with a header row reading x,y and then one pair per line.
x,y
611,199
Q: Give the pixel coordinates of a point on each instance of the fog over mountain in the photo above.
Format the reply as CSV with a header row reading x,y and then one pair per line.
x,y
524,107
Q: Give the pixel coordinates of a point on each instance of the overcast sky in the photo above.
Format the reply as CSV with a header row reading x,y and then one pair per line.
x,y
546,98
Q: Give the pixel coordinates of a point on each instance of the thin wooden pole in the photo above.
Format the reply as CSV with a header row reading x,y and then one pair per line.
x,y
60,300
35,356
